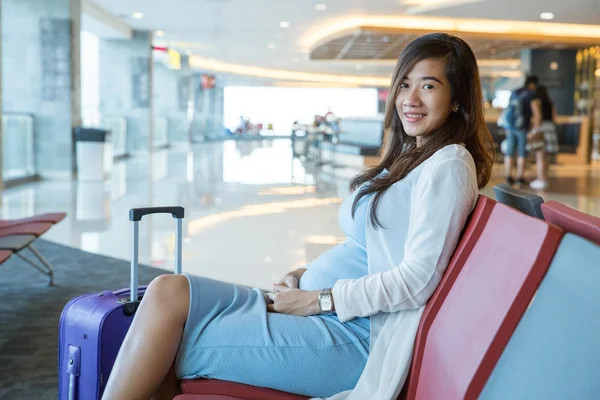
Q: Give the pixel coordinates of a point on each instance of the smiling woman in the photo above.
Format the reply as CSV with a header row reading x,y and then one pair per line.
x,y
424,99
435,100
314,332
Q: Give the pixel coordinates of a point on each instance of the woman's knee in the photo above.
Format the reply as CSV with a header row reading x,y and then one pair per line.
x,y
172,292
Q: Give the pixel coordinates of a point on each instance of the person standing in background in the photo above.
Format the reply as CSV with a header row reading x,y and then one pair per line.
x,y
517,125
542,138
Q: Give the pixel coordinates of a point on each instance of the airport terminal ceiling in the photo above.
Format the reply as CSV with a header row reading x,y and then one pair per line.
x,y
353,37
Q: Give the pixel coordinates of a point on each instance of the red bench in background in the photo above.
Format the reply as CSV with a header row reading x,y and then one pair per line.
x,y
19,234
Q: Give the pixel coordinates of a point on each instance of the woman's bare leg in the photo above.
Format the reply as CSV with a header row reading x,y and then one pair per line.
x,y
507,166
520,167
546,168
540,160
150,347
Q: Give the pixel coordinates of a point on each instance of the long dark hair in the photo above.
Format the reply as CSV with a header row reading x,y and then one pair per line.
x,y
400,152
542,93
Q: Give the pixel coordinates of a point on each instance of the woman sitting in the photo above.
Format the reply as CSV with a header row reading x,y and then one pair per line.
x,y
315,332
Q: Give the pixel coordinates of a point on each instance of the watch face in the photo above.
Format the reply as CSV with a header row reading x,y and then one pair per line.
x,y
325,303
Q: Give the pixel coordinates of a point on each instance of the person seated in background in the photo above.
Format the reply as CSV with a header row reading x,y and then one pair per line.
x,y
318,121
243,126
313,334
542,138
329,115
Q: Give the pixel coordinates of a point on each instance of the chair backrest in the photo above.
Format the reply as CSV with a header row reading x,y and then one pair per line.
x,y
554,352
527,203
469,237
573,221
485,304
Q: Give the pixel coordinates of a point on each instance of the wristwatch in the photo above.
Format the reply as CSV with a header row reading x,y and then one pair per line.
x,y
326,301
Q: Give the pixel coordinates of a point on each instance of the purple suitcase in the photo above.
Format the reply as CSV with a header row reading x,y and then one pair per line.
x,y
93,326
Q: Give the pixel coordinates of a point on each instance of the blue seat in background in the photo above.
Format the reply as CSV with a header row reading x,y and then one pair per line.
x,y
555,351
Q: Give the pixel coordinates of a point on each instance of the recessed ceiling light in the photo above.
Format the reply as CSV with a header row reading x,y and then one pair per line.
x,y
321,7
284,24
137,15
160,33
547,15
553,65
271,46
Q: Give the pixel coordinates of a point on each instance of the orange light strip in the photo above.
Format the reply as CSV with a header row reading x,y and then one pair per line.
x,y
286,78
210,64
548,30
301,84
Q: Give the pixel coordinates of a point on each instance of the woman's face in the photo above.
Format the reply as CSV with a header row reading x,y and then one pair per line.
x,y
424,99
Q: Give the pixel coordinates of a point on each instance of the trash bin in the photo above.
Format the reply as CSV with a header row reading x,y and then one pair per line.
x,y
94,153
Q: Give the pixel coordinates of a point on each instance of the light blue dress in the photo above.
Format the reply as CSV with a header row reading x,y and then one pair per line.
x,y
230,336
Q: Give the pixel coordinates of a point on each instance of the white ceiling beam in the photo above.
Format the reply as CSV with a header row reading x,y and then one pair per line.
x,y
100,22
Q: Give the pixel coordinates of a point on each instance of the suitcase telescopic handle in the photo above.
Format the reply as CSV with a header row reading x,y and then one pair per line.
x,y
135,215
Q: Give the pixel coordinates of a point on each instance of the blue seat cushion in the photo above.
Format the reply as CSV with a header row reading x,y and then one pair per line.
x,y
555,351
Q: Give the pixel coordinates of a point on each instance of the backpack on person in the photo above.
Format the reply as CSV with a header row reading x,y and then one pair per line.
x,y
512,116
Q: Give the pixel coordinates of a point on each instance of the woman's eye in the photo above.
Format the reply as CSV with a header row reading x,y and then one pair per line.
x,y
403,85
428,87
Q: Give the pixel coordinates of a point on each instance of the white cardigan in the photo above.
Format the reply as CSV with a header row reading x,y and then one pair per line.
x,y
422,217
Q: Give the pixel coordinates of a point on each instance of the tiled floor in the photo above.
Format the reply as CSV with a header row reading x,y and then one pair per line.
x,y
252,211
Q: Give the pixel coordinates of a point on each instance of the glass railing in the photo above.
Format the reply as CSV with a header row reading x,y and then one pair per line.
x,y
18,159
160,136
117,125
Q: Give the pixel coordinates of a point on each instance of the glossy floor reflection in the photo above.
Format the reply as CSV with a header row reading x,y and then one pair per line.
x,y
253,212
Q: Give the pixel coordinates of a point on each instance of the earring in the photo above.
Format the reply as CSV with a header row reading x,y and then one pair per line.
x,y
455,109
